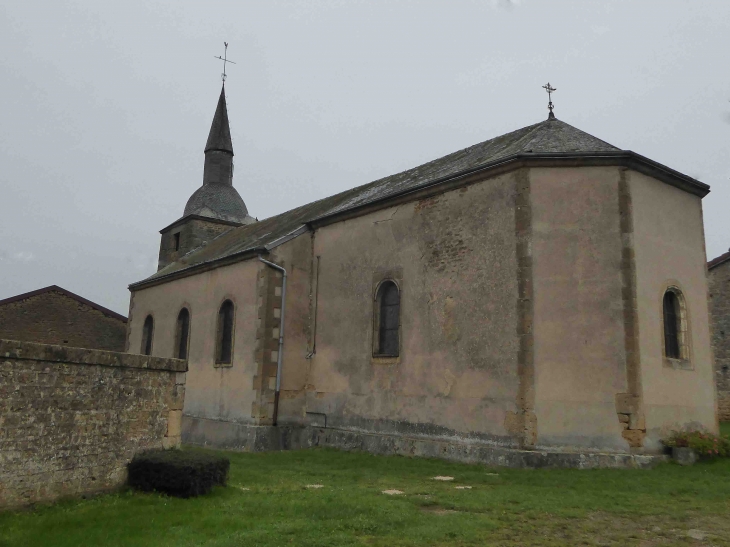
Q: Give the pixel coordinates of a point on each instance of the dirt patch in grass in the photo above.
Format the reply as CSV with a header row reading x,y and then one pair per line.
x,y
605,529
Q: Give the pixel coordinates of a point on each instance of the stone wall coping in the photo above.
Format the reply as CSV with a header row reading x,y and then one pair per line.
x,y
15,349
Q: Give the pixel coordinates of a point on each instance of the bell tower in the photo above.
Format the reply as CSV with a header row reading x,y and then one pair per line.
x,y
216,206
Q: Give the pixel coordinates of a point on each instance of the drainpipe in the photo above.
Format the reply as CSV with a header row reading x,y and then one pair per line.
x,y
281,335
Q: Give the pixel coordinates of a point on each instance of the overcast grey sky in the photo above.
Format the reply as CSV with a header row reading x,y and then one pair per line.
x,y
105,107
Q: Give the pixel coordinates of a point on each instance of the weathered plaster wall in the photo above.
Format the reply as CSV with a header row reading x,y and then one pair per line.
x,y
242,392
296,257
669,249
71,418
454,258
214,391
578,309
719,280
55,318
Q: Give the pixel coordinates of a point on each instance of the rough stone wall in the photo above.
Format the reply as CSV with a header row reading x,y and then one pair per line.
x,y
193,234
55,318
71,418
719,281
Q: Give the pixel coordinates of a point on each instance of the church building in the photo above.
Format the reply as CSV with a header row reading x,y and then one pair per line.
x,y
540,291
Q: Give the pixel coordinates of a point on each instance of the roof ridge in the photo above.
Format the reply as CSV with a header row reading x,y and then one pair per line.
x,y
533,129
56,288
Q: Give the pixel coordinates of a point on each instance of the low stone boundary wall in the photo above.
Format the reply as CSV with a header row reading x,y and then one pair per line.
x,y
233,436
72,418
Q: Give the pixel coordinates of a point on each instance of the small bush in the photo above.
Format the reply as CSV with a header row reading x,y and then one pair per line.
x,y
180,473
705,444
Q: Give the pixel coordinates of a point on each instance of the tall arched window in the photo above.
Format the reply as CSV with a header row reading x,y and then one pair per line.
x,y
147,331
224,347
182,334
387,320
675,328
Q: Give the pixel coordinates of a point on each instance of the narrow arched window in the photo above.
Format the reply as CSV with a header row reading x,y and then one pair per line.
x,y
672,325
388,320
182,334
147,331
224,348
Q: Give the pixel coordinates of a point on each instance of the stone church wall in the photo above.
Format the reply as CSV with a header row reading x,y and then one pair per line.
x,y
243,392
71,418
217,392
55,318
528,320
454,257
192,233
669,246
580,360
719,279
296,257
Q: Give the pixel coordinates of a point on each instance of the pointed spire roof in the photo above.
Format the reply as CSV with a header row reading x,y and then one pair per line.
x,y
219,137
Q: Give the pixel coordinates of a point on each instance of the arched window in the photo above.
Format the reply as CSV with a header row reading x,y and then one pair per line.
x,y
182,334
387,320
147,331
224,347
675,325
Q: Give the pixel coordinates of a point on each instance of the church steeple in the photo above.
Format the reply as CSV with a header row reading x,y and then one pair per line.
x,y
219,148
216,206
217,198
219,137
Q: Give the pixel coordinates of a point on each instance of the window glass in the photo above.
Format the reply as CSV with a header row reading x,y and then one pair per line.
x,y
225,333
183,330
671,325
389,323
147,335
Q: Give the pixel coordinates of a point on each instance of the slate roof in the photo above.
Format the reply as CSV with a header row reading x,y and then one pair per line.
x,y
56,288
216,200
718,260
219,137
550,137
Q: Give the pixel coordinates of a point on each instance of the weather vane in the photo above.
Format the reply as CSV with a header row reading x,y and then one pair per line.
x,y
547,87
225,60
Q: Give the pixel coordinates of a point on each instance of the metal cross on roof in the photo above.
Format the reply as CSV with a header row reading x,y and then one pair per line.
x,y
225,60
547,87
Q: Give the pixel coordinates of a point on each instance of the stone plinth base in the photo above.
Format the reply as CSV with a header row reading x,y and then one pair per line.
x,y
234,436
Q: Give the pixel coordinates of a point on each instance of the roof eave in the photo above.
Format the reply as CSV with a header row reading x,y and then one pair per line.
x,y
624,158
199,268
185,218
222,261
667,174
718,261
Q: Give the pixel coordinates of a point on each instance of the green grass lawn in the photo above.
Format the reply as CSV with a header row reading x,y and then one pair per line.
x,y
267,503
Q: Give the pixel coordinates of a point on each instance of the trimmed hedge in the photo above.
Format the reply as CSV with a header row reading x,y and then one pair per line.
x,y
179,473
